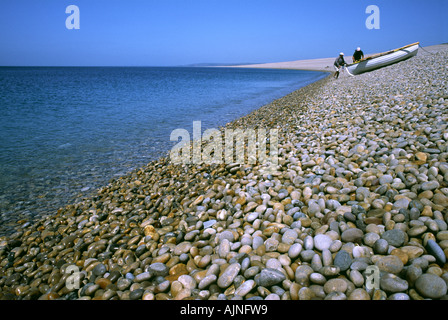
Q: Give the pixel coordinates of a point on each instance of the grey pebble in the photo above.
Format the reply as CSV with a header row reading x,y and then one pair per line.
x,y
381,246
394,237
307,255
308,243
357,278
430,185
317,278
123,284
207,281
294,250
412,274
327,258
99,270
399,296
343,260
336,295
144,276
269,277
159,269
209,223
431,286
435,250
302,274
229,275
392,283
290,236
251,272
245,288
136,294
322,242
386,178
370,238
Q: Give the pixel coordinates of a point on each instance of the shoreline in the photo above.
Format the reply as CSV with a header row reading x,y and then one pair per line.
x,y
322,65
362,181
17,203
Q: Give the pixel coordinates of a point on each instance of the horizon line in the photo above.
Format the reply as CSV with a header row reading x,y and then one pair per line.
x,y
191,65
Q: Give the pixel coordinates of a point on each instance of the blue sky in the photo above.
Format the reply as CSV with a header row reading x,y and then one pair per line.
x,y
179,32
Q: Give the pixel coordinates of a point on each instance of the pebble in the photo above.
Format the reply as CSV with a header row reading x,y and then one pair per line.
x,y
379,294
333,285
417,230
187,281
290,236
229,275
144,276
381,246
308,243
136,294
359,294
317,278
352,235
336,295
394,237
269,277
272,296
431,286
343,260
412,274
159,269
207,281
392,283
99,270
357,278
386,179
370,238
435,250
302,274
399,296
322,242
251,272
402,203
430,185
209,223
245,288
412,251
123,284
390,264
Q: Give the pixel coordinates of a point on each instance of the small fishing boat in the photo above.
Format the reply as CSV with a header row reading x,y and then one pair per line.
x,y
383,59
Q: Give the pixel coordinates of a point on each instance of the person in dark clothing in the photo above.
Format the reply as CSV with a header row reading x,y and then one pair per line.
x,y
339,63
358,55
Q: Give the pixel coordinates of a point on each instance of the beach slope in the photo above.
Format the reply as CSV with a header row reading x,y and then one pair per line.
x,y
356,209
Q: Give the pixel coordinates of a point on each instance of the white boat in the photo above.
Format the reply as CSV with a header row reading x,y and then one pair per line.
x,y
383,59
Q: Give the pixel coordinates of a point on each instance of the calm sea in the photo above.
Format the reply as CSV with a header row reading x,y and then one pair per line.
x,y
66,131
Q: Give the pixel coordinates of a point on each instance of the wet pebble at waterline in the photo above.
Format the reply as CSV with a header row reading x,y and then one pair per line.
x,y
361,183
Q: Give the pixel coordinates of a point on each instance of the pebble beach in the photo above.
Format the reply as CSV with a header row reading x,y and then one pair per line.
x,y
361,184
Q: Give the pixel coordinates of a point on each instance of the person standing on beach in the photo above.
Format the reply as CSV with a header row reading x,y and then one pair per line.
x,y
358,55
339,63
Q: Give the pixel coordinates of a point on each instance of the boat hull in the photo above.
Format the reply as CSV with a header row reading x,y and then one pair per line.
x,y
383,60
